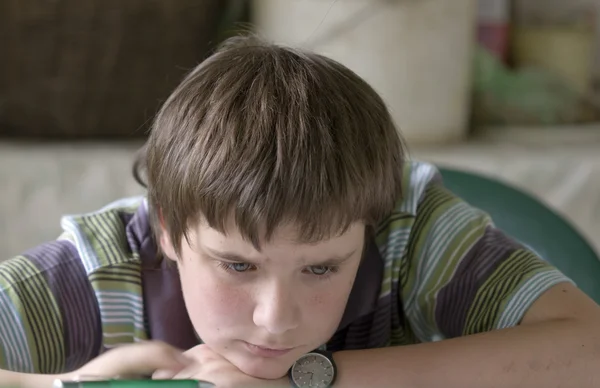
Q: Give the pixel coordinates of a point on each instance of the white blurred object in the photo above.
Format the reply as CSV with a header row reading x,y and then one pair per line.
x,y
416,53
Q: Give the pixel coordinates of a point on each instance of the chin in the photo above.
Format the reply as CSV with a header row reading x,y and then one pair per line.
x,y
265,373
269,369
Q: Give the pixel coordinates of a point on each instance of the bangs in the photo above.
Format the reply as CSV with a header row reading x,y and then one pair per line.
x,y
267,136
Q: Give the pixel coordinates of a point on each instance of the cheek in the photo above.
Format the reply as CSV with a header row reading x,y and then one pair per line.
x,y
212,302
330,300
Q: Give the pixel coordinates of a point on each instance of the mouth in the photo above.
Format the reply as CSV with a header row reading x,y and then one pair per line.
x,y
265,351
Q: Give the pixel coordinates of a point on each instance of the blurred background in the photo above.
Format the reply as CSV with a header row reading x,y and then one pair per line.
x,y
509,88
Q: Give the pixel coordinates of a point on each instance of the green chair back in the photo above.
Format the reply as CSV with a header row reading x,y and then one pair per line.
x,y
529,221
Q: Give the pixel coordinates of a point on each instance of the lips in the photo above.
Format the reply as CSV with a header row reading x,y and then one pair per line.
x,y
267,351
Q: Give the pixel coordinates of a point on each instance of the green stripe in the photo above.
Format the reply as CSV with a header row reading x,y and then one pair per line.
x,y
107,236
400,226
40,306
402,335
14,295
436,203
493,296
125,272
448,261
101,234
119,272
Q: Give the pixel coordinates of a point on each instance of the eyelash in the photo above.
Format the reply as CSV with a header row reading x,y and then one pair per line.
x,y
229,267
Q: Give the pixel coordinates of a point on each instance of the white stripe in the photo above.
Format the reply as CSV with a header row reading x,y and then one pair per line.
x,y
398,237
121,306
122,317
118,308
445,231
448,226
394,249
432,329
88,256
123,322
420,175
528,293
422,179
119,298
116,297
441,234
453,264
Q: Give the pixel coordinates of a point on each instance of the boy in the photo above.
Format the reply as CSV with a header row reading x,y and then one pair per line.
x,y
282,220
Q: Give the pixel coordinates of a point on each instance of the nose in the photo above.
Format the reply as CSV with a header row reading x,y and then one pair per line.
x,y
277,309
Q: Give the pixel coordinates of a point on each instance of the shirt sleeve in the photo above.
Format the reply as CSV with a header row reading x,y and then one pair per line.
x,y
48,318
464,276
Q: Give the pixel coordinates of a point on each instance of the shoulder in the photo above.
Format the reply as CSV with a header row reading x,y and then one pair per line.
x,y
417,178
429,223
54,297
111,243
47,305
426,206
101,237
421,189
454,271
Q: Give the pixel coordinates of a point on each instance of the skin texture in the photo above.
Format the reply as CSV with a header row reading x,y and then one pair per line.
x,y
288,295
556,345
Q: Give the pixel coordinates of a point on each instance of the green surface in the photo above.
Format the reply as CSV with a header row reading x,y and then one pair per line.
x,y
529,221
134,384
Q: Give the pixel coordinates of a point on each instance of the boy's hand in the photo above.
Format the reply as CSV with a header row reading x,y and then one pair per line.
x,y
211,367
133,361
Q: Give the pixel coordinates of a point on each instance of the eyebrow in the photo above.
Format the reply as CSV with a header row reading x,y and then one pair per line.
x,y
234,257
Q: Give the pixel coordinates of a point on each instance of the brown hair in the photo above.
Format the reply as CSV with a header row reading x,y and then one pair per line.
x,y
271,135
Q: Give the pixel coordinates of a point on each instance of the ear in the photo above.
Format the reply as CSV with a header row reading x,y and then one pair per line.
x,y
166,245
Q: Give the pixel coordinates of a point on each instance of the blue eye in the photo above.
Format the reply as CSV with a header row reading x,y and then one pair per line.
x,y
320,270
236,267
240,267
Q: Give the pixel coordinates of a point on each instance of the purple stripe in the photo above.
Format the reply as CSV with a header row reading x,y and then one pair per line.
x,y
455,299
373,330
60,265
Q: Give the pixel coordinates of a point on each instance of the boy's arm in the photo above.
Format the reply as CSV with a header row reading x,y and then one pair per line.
x,y
556,345
28,315
487,311
49,317
26,380
138,359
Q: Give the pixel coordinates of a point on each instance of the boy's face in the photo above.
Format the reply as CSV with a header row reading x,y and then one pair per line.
x,y
262,310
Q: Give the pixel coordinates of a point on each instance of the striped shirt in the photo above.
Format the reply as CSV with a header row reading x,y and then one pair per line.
x,y
436,269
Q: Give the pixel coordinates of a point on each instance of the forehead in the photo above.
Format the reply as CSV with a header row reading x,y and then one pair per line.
x,y
285,237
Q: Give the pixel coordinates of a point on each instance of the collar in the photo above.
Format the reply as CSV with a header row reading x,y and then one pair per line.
x,y
164,305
